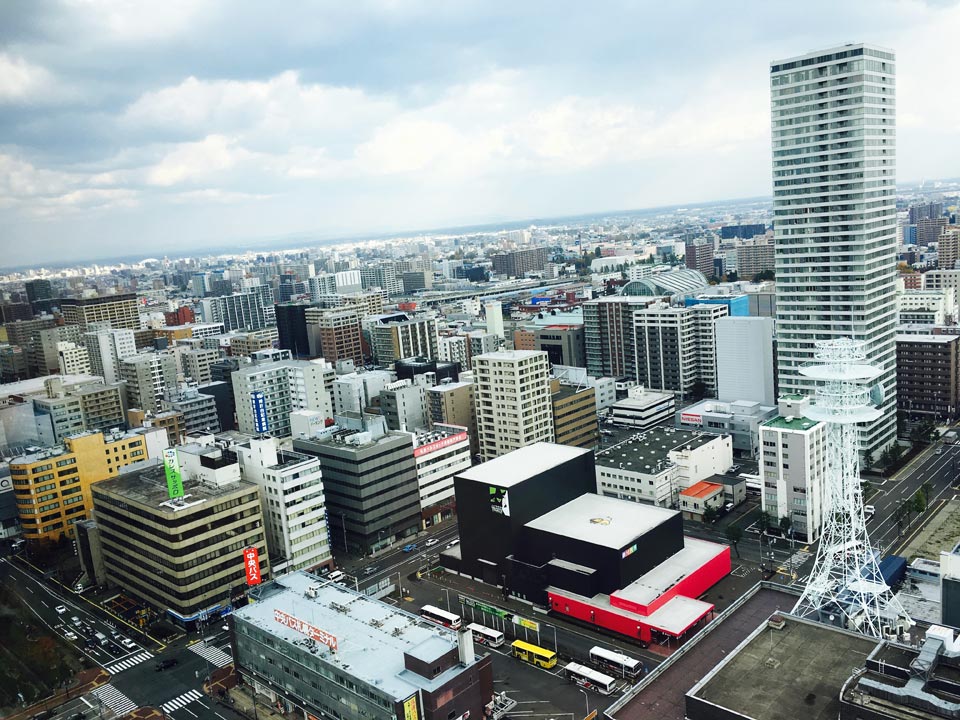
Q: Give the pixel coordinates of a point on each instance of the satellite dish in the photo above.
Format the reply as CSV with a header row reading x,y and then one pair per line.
x,y
877,395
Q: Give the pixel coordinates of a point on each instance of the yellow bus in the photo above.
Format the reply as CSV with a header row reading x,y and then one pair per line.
x,y
533,654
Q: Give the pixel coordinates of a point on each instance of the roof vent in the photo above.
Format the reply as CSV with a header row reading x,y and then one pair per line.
x,y
789,418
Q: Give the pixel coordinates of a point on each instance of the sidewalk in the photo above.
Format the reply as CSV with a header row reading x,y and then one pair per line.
x,y
240,697
86,680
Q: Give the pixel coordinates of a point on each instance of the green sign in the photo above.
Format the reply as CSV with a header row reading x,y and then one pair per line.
x,y
489,609
171,465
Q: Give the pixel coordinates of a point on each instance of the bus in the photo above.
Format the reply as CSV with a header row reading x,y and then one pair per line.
x,y
623,665
486,636
533,654
441,617
589,678
753,482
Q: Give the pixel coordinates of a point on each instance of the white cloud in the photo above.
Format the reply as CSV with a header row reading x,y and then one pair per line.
x,y
131,21
21,81
191,162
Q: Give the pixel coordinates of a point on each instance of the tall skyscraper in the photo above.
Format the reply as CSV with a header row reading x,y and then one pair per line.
x,y
833,126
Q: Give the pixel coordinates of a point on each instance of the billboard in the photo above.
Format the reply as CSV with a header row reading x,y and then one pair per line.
x,y
691,418
439,444
410,711
251,565
304,628
171,467
499,501
259,402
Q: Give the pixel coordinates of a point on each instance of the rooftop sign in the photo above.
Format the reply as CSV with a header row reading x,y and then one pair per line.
x,y
439,444
305,628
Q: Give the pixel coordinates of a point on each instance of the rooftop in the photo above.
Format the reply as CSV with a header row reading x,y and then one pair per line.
x,y
515,467
651,585
928,338
790,674
702,489
35,386
600,520
794,423
449,387
643,451
371,636
511,355
146,483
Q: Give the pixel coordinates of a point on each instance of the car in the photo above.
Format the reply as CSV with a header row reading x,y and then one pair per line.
x,y
69,635
370,570
165,663
410,548
453,543
225,628
939,451
77,716
728,507
734,468
115,634
869,510
61,609
75,620
431,542
128,643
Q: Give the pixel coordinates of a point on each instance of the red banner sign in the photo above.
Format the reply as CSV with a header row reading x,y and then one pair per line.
x,y
251,564
439,444
692,418
305,628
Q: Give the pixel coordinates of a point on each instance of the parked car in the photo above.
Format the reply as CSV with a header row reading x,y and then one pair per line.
x,y
410,548
165,663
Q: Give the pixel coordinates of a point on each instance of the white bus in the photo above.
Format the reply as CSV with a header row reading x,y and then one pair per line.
x,y
441,617
486,636
589,678
623,665
753,482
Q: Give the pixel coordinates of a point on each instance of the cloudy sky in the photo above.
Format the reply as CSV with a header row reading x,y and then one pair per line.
x,y
168,126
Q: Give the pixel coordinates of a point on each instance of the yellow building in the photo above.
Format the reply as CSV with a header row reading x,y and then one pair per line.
x,y
52,486
575,415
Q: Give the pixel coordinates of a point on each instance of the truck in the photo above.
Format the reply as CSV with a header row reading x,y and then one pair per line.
x,y
101,638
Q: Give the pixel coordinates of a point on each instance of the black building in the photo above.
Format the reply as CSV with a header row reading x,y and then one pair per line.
x,y
222,394
744,232
497,499
292,328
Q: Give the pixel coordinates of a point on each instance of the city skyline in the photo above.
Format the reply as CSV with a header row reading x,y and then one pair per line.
x,y
123,129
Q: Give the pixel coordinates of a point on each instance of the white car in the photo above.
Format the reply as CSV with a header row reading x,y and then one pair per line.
x,y
432,541
69,635
453,543
61,609
128,643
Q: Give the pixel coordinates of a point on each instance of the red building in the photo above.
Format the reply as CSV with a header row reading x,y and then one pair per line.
x,y
181,316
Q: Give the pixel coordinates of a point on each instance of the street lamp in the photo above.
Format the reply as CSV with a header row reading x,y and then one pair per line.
x,y
586,699
447,591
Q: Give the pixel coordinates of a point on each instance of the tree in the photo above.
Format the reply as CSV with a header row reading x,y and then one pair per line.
x,y
886,458
868,460
597,251
734,535
896,451
919,501
764,275
709,515
785,524
764,521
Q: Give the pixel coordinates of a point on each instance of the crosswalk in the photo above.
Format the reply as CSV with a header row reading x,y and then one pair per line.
x,y
115,700
215,655
180,700
129,662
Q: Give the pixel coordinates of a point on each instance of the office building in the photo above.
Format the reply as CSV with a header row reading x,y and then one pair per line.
x,y
654,466
452,403
926,307
740,419
793,466
68,410
248,310
417,280
119,310
609,335
197,362
404,406
72,359
356,658
520,262
836,262
643,409
928,376
744,231
335,334
292,328
49,338
182,556
738,305
370,482
52,486
574,415
512,401
291,494
699,256
106,348
245,344
746,366
564,344
199,410
147,377
37,291
397,336
426,371
287,385
439,453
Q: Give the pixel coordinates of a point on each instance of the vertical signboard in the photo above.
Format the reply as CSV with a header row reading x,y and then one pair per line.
x,y
171,466
259,402
251,565
410,710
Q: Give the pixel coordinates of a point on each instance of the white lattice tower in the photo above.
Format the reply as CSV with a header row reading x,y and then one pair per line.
x,y
845,587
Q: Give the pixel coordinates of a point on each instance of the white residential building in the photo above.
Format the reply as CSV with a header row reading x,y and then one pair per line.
x,y
440,454
605,387
946,280
294,509
148,375
404,405
106,347
643,409
287,385
745,360
356,391
926,307
73,359
792,465
835,222
454,348
512,400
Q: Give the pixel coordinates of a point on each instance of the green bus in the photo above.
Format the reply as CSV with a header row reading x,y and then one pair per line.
x,y
533,654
